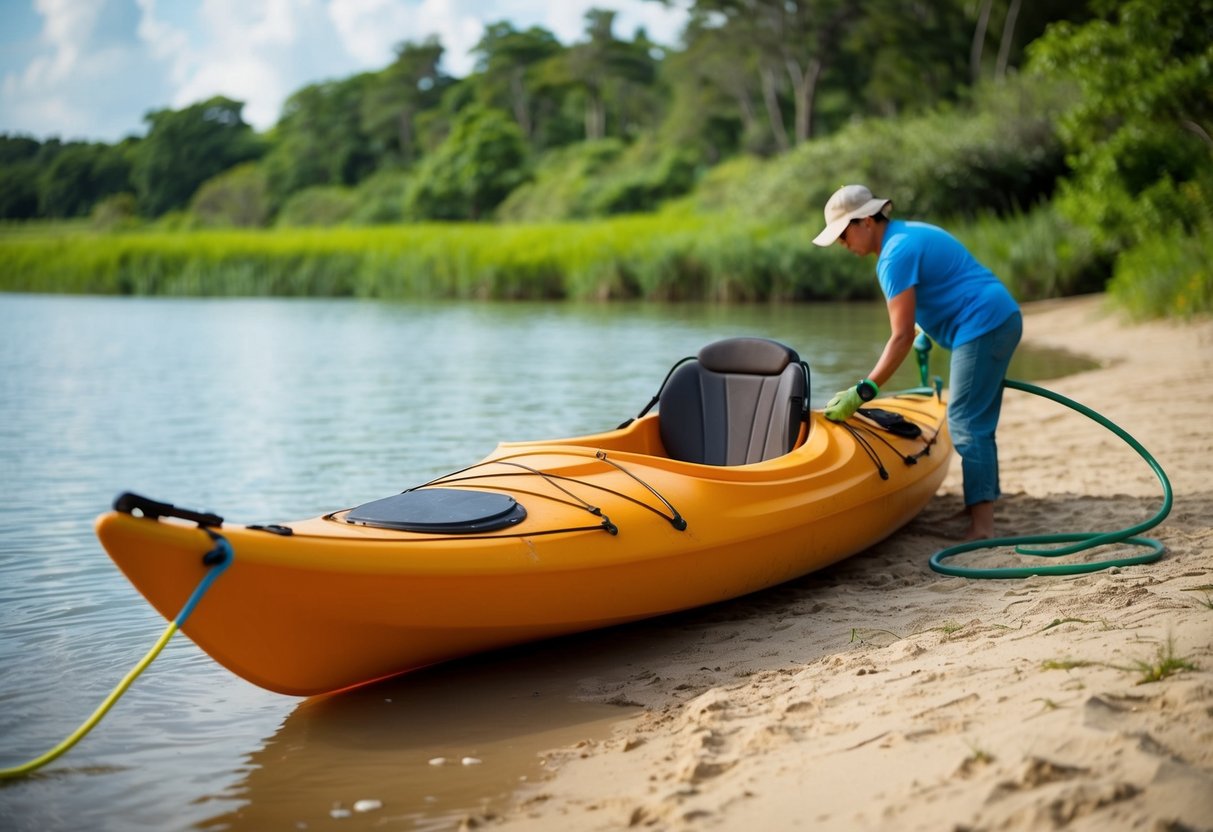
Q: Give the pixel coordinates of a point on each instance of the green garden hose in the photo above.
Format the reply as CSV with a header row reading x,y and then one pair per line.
x,y
1079,541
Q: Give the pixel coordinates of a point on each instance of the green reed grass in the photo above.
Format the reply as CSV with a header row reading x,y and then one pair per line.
x,y
653,257
672,255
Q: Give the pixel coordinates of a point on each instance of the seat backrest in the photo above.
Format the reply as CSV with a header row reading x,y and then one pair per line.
x,y
741,400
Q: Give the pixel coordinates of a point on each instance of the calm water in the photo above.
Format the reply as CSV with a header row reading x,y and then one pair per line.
x,y
274,410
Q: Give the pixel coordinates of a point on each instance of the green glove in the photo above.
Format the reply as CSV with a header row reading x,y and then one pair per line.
x,y
843,405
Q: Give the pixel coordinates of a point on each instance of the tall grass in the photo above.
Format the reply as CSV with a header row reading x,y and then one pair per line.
x,y
664,256
668,256
1038,254
1167,276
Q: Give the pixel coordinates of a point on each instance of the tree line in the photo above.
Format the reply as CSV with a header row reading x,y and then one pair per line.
x,y
750,78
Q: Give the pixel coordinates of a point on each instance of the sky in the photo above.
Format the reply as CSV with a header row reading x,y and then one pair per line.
x,y
91,69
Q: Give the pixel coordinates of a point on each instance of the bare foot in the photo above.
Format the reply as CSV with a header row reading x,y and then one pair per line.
x,y
981,521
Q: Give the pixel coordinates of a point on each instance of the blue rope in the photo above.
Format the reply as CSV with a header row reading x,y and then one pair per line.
x,y
218,559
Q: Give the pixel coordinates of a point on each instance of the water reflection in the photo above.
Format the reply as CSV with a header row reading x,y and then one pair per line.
x,y
487,719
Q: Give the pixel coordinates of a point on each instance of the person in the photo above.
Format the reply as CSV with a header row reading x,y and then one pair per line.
x,y
930,279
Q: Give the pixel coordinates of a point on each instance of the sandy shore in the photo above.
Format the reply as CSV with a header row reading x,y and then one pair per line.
x,y
881,695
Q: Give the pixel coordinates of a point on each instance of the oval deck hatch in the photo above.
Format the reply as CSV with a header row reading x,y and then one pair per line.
x,y
440,511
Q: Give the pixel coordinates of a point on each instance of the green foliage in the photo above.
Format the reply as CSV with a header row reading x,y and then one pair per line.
x,y
237,198
509,63
379,199
319,206
184,148
1000,155
1167,276
610,77
392,100
19,190
644,188
78,176
1097,161
468,176
1038,254
561,183
595,179
118,212
320,140
661,256
1138,136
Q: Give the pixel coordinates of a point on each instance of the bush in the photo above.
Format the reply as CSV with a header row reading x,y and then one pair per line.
x,y
320,205
115,213
472,171
643,189
236,198
561,183
600,178
1166,275
1038,254
1002,156
379,199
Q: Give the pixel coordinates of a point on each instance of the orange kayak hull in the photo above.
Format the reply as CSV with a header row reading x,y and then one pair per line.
x,y
334,604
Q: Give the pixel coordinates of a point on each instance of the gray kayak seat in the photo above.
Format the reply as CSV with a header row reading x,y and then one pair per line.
x,y
740,401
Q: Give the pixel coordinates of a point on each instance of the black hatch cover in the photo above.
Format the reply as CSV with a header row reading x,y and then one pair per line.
x,y
441,511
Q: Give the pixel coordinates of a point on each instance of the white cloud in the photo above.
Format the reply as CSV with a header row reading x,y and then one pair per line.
x,y
68,25
254,51
371,29
98,65
79,81
164,41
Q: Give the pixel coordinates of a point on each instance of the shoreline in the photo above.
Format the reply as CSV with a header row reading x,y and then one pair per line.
x,y
878,694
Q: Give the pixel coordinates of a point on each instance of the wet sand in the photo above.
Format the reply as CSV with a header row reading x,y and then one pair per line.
x,y
881,695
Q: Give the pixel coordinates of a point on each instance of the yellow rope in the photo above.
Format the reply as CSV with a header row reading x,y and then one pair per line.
x,y
77,735
218,559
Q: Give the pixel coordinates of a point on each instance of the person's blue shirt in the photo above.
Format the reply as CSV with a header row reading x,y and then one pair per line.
x,y
958,299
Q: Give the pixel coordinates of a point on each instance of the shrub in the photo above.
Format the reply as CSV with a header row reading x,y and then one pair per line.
x,y
1166,275
236,198
379,199
1038,254
1000,156
320,205
115,213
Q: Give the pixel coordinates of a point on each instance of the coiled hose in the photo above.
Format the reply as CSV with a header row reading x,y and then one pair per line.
x,y
1078,541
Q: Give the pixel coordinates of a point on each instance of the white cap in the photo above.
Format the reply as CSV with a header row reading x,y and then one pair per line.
x,y
848,203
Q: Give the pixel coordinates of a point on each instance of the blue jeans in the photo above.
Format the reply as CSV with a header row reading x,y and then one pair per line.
x,y
978,369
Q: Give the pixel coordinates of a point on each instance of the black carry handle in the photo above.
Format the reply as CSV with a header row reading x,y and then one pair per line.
x,y
129,503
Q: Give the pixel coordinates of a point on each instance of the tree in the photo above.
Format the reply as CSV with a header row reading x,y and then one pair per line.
x,y
1140,140
79,176
184,148
506,61
1015,25
716,95
794,42
320,140
237,197
475,168
394,98
607,71
19,176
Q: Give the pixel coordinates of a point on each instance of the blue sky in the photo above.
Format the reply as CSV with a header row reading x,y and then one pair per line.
x,y
91,69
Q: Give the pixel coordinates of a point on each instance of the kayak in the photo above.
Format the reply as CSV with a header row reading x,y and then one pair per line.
x,y
733,484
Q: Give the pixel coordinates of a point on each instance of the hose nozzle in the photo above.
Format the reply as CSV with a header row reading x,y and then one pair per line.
x,y
922,345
